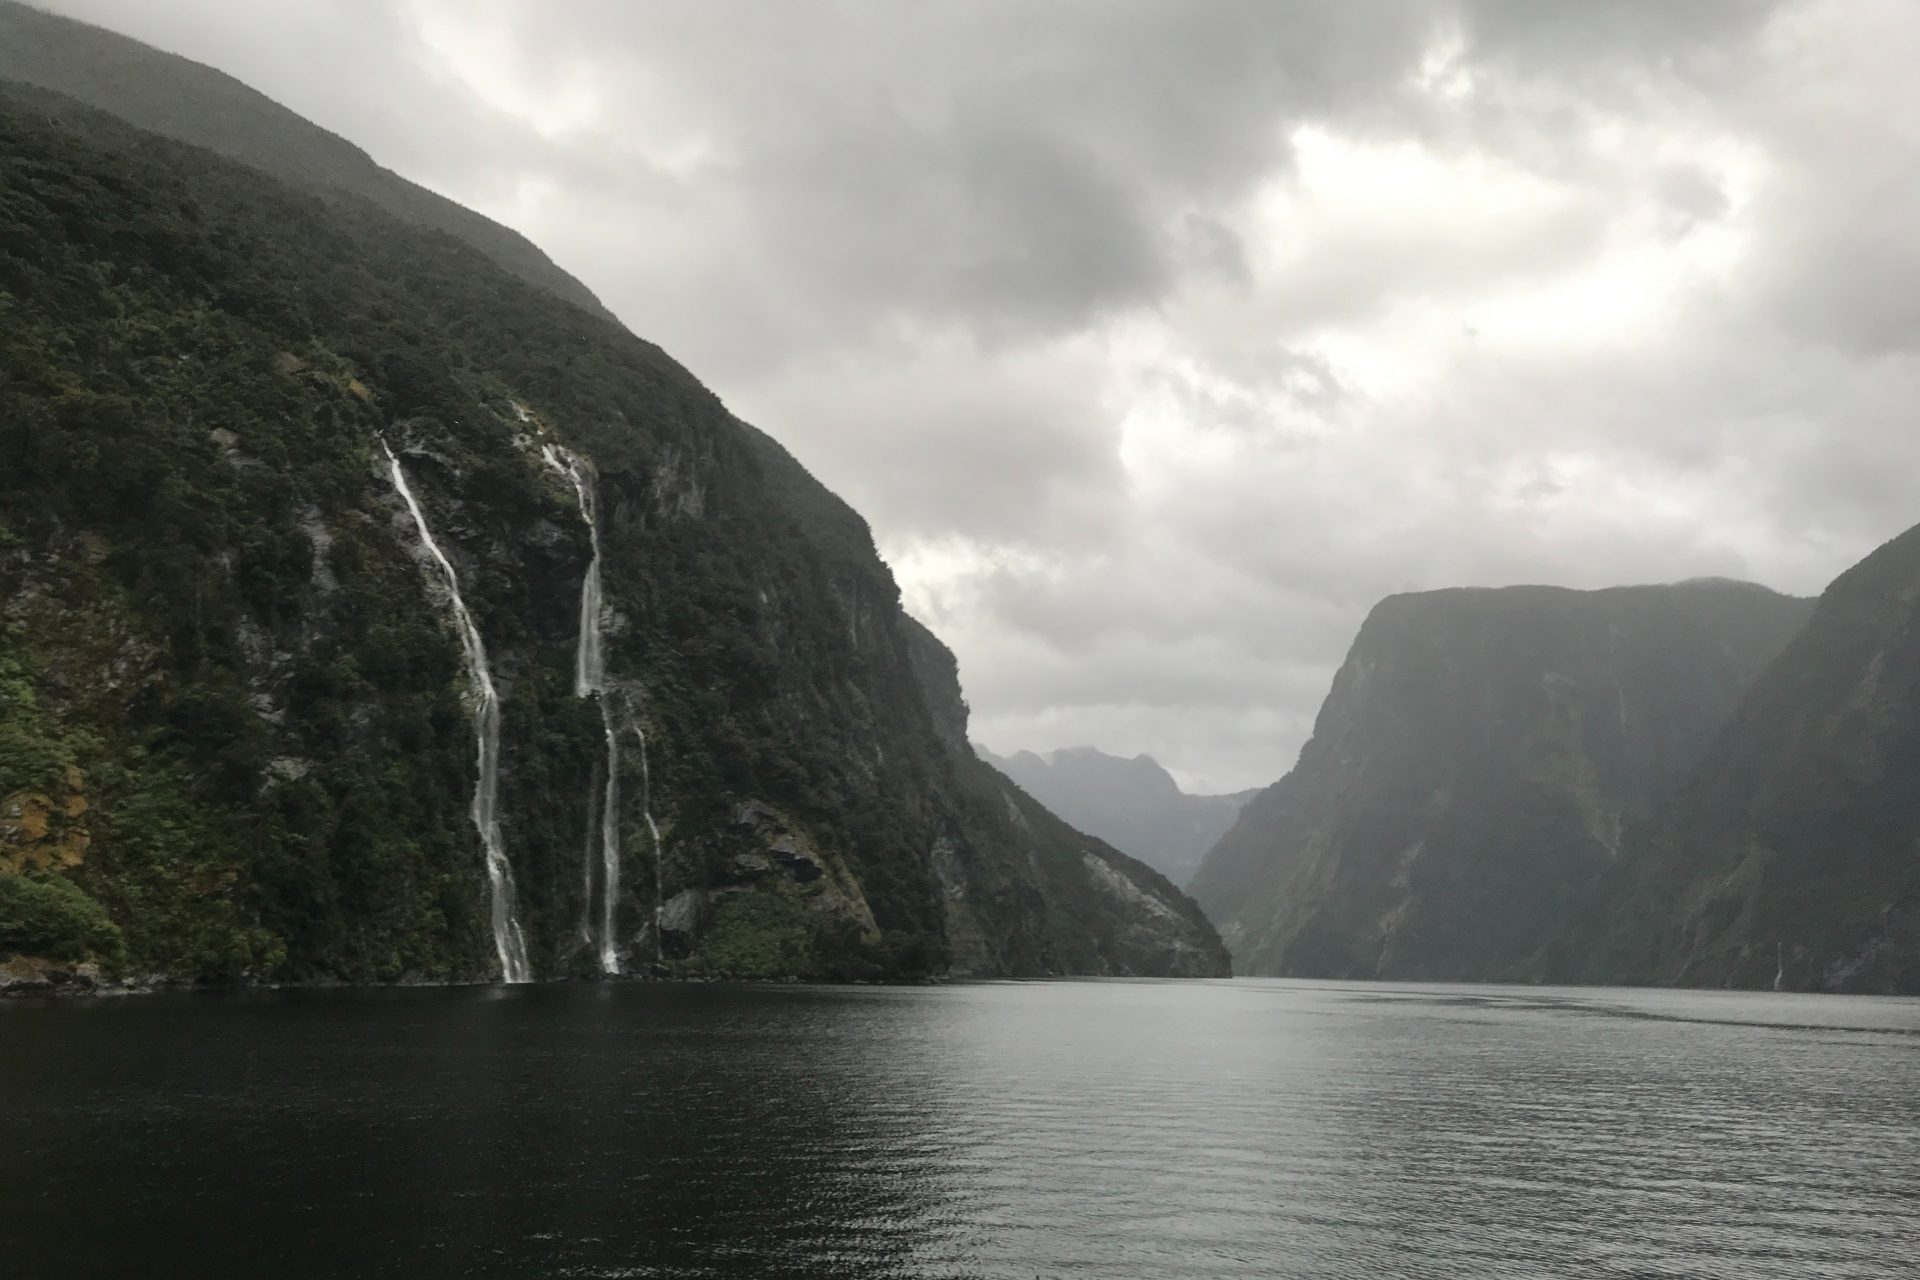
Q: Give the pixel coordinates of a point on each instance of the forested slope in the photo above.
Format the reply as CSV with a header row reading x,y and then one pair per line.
x,y
238,735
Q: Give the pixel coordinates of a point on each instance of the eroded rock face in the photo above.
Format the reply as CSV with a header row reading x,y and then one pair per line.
x,y
24,976
1474,770
46,829
784,854
684,914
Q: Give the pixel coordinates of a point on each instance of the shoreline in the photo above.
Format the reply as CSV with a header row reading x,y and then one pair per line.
x,y
23,978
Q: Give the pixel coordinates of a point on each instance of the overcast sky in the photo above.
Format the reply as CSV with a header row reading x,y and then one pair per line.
x,y
1158,341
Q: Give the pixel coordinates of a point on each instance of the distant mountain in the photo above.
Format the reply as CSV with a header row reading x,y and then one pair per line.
x,y
1793,852
1477,767
1134,805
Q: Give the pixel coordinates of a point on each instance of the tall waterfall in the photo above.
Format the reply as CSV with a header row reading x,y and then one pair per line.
x,y
508,940
590,681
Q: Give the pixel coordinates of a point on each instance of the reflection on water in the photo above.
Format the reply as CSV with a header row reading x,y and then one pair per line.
x,y
1060,1129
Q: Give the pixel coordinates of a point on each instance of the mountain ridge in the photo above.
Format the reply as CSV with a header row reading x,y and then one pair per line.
x,y
1133,804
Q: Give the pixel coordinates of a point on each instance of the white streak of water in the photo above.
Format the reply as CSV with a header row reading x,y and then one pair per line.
x,y
590,681
508,939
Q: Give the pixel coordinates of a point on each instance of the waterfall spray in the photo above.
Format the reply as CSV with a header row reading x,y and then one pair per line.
x,y
508,940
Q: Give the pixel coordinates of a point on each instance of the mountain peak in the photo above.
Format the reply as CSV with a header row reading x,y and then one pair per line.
x,y
1132,803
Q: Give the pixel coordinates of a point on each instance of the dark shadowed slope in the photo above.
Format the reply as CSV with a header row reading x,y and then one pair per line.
x,y
1793,853
1477,764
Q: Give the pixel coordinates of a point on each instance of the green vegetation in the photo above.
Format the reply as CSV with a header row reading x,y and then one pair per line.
x,y
760,935
272,733
213,629
52,917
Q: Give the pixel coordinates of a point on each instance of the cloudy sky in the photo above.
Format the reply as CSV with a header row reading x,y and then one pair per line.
x,y
1158,341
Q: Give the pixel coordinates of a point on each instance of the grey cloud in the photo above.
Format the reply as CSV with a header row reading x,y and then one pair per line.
x,y
1213,246
1847,269
1014,169
1134,594
1691,195
934,441
1607,39
1013,232
1835,106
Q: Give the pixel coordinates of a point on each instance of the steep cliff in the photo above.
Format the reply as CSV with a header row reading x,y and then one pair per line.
x,y
1792,854
302,510
1135,805
1105,912
1478,764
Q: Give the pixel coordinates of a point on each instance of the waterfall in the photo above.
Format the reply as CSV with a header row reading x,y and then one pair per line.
x,y
609,845
508,940
659,880
590,681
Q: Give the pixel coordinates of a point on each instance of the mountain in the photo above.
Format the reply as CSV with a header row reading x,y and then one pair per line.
x,y
371,609
1478,765
1792,854
1134,805
178,98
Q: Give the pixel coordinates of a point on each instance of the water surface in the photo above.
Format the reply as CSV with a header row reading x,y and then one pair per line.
x,y
1108,1129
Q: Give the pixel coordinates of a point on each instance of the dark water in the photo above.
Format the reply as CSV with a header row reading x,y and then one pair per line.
x,y
1062,1129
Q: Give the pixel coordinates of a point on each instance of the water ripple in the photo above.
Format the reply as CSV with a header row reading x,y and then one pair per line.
x,y
993,1131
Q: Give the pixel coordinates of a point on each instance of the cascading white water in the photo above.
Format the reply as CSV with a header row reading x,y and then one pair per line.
x,y
609,846
508,939
589,643
653,830
590,681
587,860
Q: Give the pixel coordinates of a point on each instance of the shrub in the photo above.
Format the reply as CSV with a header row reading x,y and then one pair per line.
x,y
53,918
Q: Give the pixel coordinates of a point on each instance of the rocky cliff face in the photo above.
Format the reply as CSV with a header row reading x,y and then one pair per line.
x,y
1479,762
1135,805
1105,912
245,725
1791,857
